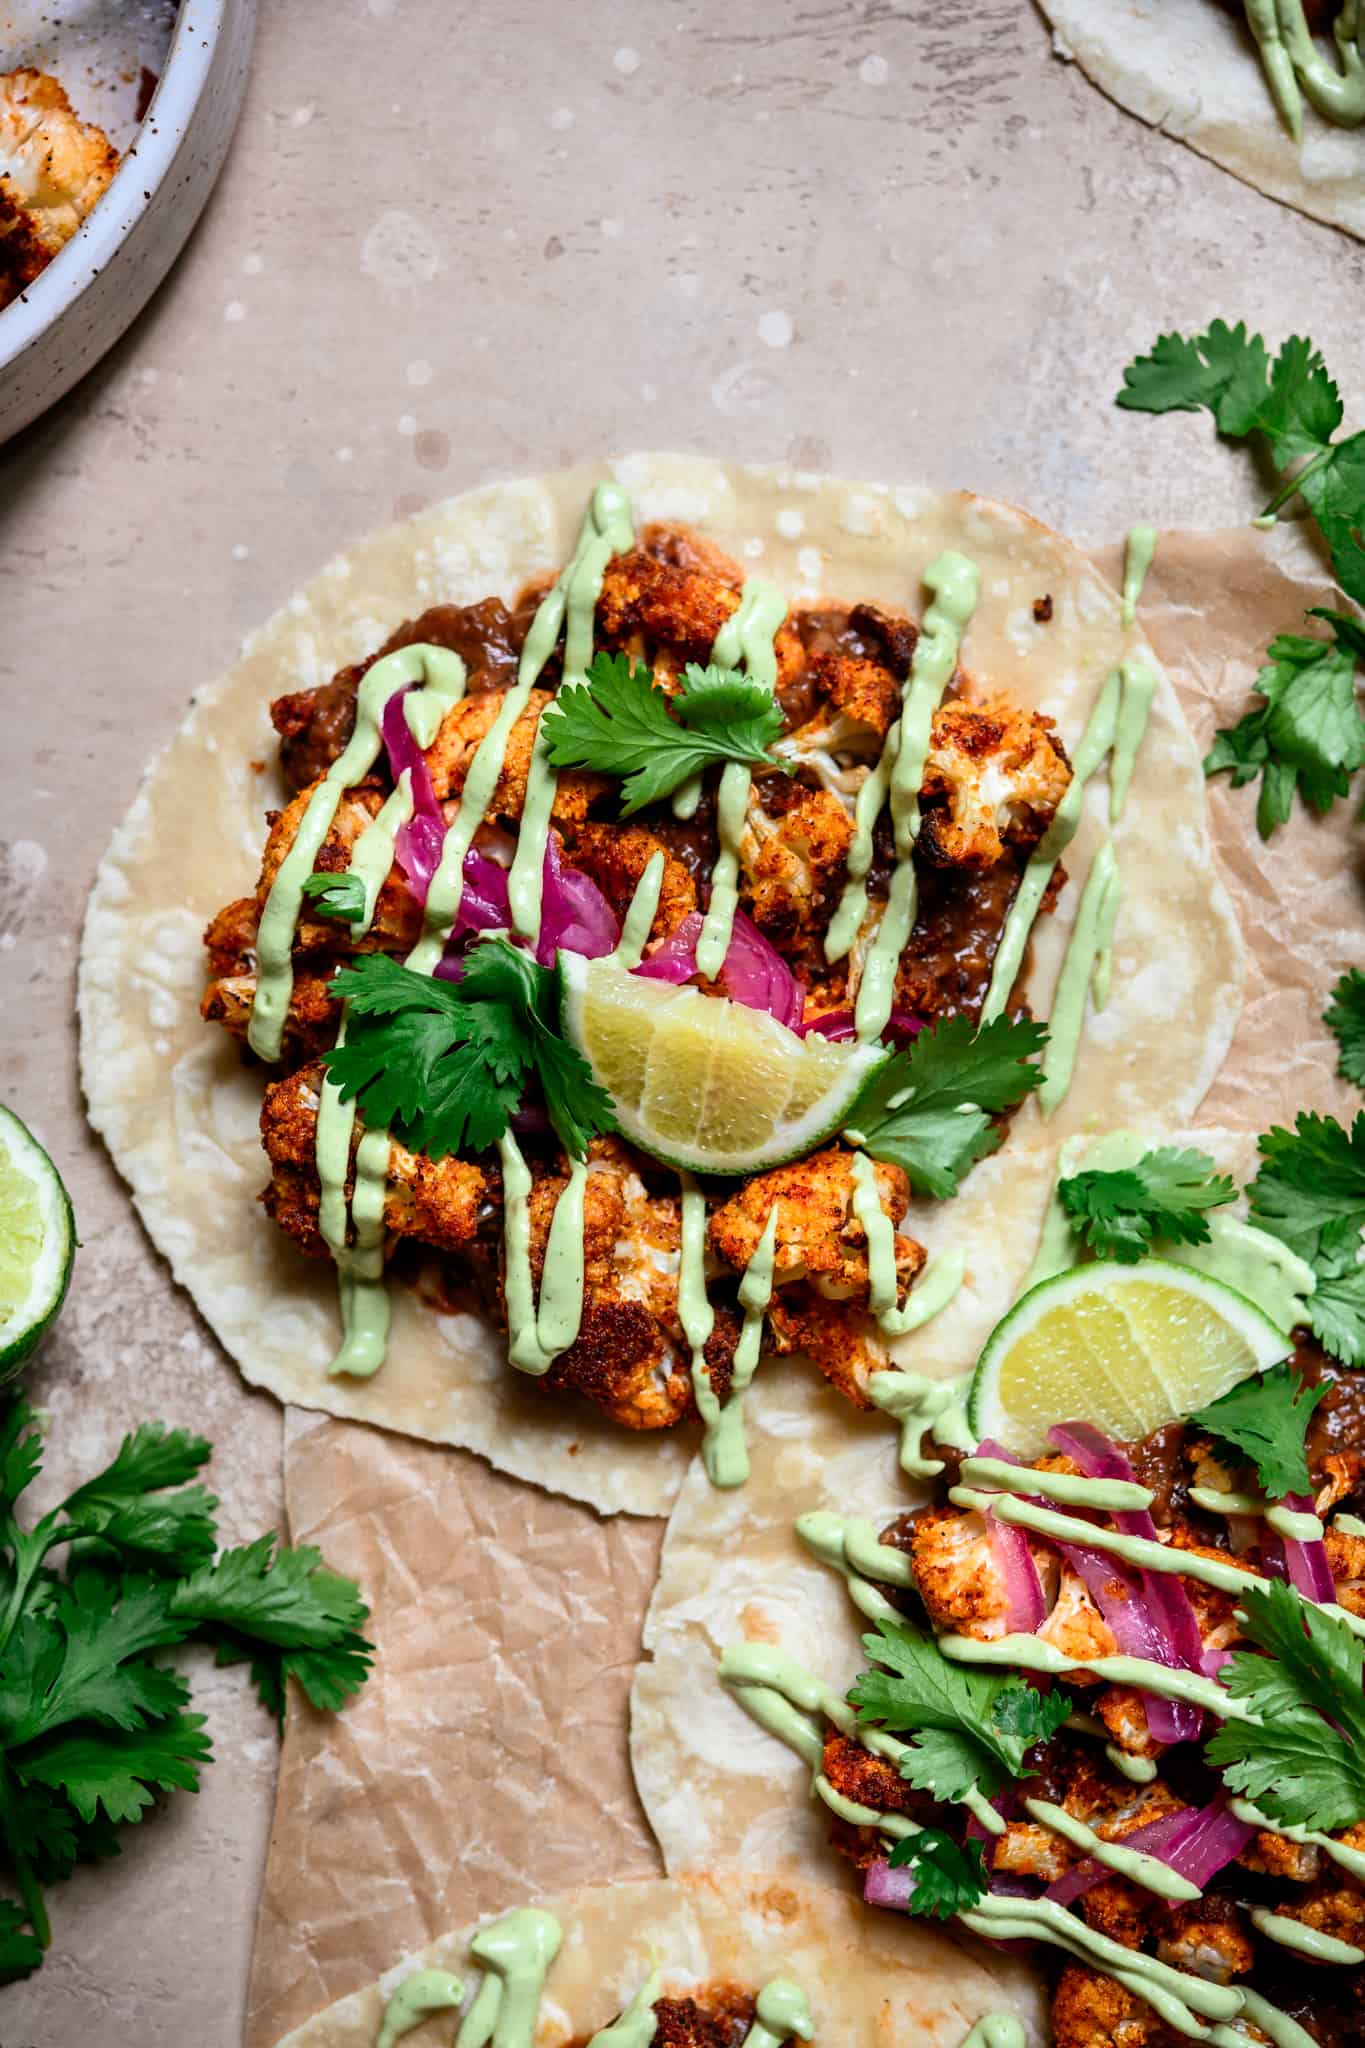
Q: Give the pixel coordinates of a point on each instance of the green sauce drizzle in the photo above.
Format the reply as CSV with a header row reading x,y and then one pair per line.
x,y
747,637
955,586
1089,936
1116,726
1305,1941
724,1452
1148,1871
997,2030
639,919
444,676
1138,550
636,2026
424,1992
782,2011
1291,60
518,1950
921,1405
941,1281
571,603
537,1335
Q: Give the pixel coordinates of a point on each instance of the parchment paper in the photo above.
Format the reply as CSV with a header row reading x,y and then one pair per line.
x,y
486,1759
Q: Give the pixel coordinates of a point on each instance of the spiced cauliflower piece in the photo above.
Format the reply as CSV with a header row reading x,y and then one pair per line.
x,y
837,746
615,857
629,1357
993,773
451,756
1089,2010
436,1201
792,855
54,167
818,1238
960,1577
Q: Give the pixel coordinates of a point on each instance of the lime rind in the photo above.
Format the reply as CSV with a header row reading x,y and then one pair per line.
x,y
1143,1382
37,1242
702,1083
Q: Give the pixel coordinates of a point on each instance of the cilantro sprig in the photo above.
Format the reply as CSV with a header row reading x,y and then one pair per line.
x,y
1121,1213
1310,1193
1291,400
339,896
949,1878
95,1723
929,1110
970,1728
447,1064
1307,734
1303,1759
619,723
1345,1019
1267,1420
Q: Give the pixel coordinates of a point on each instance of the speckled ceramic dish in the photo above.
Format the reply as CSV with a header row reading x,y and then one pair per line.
x,y
80,305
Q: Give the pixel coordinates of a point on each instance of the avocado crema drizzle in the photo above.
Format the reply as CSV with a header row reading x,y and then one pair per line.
x,y
1295,67
791,1703
434,679
517,1952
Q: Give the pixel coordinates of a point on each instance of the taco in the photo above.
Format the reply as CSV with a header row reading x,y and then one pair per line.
x,y
1001,1697
1273,90
696,1962
629,932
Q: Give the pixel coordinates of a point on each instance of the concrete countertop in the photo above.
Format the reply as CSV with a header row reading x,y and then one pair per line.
x,y
896,240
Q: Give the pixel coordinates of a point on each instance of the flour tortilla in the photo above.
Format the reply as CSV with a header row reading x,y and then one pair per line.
x,y
719,1790
179,1111
871,1981
1193,70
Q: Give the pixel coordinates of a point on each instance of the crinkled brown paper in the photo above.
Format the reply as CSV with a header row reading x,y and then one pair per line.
x,y
486,1758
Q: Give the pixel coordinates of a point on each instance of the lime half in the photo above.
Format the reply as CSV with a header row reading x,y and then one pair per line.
x,y
1127,1348
701,1082
37,1242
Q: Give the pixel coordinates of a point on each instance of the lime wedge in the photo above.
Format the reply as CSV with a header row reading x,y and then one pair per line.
x,y
37,1242
701,1082
1127,1348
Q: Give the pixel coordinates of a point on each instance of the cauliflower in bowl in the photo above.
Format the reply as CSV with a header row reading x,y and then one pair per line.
x,y
54,167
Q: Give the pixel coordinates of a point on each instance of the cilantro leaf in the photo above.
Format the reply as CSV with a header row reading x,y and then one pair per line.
x,y
1345,1019
1293,402
126,1507
86,1659
289,1603
1303,1760
1308,735
619,723
1310,1193
341,896
929,1110
21,1451
970,1728
1120,1214
119,1771
20,1953
949,1878
1267,1420
447,1065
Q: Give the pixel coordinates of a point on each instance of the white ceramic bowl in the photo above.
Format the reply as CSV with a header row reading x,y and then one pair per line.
x,y
79,306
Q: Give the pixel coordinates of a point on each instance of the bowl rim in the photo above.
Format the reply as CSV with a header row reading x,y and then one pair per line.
x,y
134,186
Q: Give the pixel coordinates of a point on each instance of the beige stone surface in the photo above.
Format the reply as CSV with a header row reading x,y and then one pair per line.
x,y
454,243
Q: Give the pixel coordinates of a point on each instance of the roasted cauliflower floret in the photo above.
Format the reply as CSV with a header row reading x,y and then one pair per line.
x,y
1335,1908
838,745
1092,2011
960,1576
993,773
842,1340
819,1238
616,856
1346,1561
466,724
629,1356
436,1201
792,856
1205,1937
54,167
